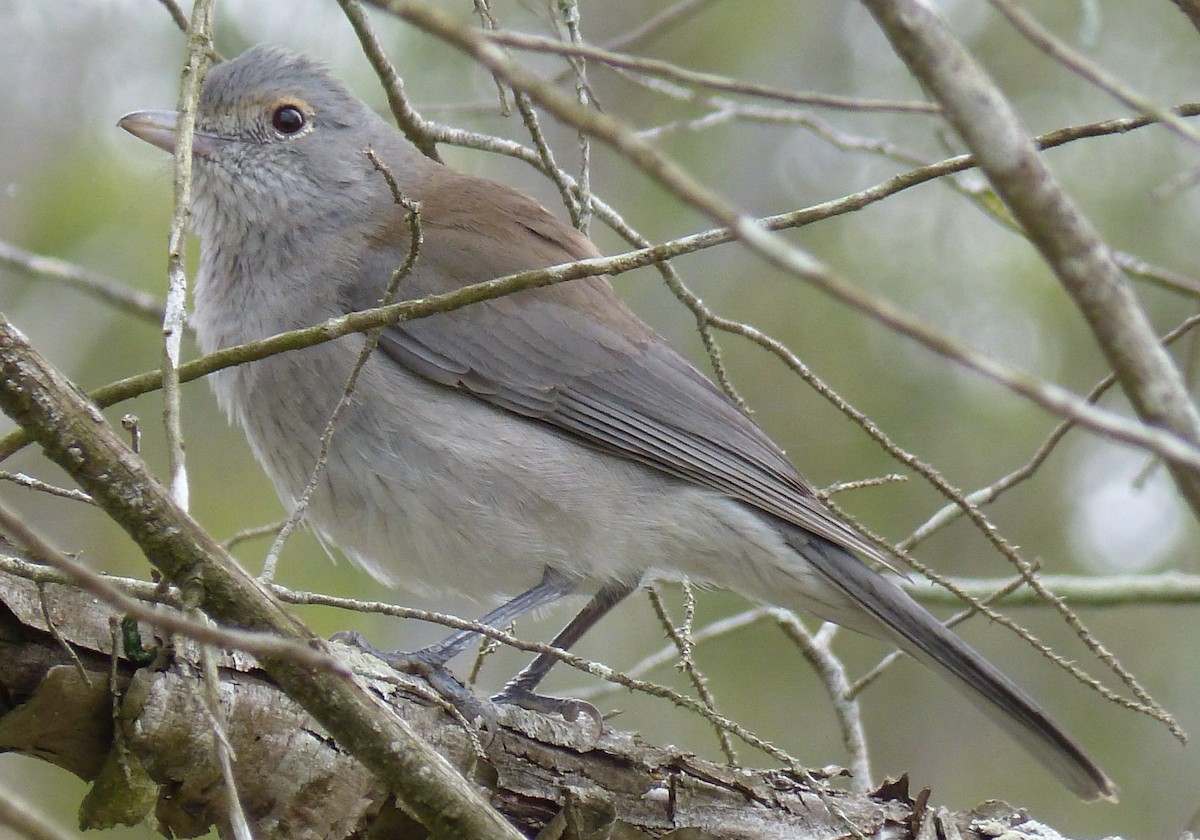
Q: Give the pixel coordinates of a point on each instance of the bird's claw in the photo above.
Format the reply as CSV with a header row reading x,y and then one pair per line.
x,y
486,713
569,709
434,673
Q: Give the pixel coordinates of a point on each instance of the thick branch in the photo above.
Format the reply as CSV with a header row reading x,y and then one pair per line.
x,y
73,433
155,754
1066,238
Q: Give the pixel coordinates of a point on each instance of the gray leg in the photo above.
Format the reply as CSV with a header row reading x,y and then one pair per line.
x,y
553,586
431,661
520,688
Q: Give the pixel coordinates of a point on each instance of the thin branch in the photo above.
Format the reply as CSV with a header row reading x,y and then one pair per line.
x,y
684,644
571,16
211,689
22,480
982,197
370,341
557,175
985,495
56,634
664,20
832,672
268,530
415,128
709,81
669,653
483,8
1045,41
120,297
176,12
262,645
1108,591
199,44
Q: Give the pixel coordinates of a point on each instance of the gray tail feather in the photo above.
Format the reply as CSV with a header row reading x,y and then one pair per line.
x,y
919,634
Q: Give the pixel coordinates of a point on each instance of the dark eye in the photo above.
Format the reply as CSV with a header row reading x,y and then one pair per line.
x,y
288,119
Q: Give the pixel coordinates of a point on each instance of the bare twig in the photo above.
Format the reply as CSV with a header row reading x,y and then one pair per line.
x,y
415,128
210,687
832,672
662,21
56,634
22,480
176,12
259,644
1107,591
413,216
681,637
108,291
199,44
1044,40
571,16
710,81
985,495
669,653
268,530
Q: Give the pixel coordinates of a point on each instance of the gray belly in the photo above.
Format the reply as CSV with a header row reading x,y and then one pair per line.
x,y
428,488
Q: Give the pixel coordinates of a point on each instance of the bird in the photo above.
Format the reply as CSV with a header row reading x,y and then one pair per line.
x,y
544,443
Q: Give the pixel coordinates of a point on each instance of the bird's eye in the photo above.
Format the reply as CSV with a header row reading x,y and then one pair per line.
x,y
288,119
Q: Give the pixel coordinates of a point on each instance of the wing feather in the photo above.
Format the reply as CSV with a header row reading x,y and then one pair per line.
x,y
575,357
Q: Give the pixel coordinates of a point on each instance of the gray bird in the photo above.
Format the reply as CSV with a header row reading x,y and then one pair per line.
x,y
544,443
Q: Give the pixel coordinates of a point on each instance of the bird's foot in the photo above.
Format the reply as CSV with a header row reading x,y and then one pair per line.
x,y
431,668
430,665
566,707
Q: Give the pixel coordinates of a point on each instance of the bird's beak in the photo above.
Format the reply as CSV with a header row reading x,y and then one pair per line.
x,y
158,129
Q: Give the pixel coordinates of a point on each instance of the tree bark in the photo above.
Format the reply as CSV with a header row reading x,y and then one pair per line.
x,y
144,739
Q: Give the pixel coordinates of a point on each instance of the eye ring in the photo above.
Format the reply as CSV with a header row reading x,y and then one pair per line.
x,y
288,120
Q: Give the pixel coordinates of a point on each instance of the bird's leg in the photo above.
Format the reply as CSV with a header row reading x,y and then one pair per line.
x,y
430,662
553,586
520,689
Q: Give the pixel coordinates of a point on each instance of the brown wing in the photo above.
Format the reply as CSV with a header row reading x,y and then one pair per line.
x,y
574,356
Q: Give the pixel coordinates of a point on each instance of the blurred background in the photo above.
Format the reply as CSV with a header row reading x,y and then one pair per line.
x,y
75,187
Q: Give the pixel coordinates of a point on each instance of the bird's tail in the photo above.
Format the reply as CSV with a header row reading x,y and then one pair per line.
x,y
898,618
